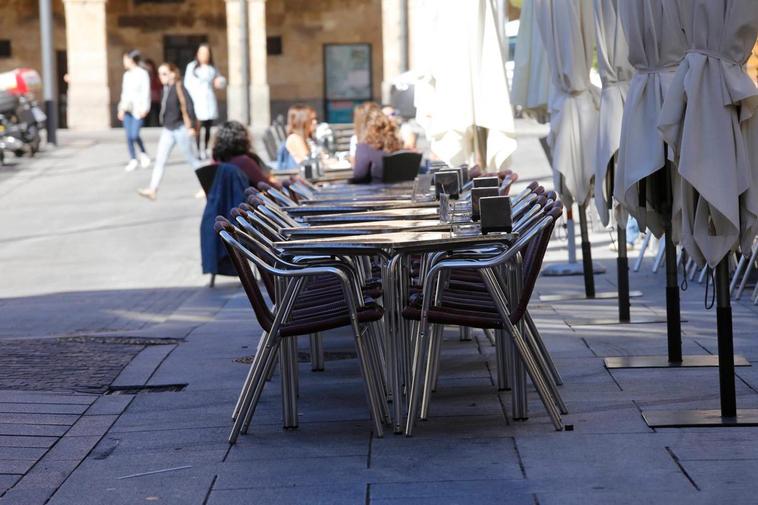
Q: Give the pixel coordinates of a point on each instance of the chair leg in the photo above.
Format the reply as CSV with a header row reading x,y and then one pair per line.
x,y
465,334
542,349
502,362
416,376
373,352
522,348
249,397
643,248
288,365
368,383
432,368
440,330
748,270
317,352
213,281
659,256
247,383
737,273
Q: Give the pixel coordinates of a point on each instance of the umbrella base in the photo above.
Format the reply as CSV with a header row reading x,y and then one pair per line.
x,y
566,269
603,295
607,321
663,362
699,418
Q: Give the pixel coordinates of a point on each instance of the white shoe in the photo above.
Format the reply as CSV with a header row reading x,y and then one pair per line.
x,y
131,166
144,160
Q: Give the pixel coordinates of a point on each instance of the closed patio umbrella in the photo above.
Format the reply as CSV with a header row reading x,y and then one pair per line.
x,y
470,87
530,87
566,29
708,113
615,72
705,116
656,45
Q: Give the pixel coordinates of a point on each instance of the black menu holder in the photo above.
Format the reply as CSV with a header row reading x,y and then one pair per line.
x,y
495,214
476,195
486,182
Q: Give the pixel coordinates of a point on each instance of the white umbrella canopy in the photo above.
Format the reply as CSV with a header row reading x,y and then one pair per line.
x,y
468,85
531,75
615,72
656,46
566,28
706,116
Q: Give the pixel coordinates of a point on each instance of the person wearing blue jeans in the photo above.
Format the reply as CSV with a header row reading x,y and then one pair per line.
x,y
133,107
178,119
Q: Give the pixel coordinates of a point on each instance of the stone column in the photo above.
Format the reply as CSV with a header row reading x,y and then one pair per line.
x,y
260,101
87,52
238,105
394,42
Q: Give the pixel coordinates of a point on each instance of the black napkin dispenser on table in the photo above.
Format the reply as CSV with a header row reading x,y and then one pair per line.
x,y
476,195
495,214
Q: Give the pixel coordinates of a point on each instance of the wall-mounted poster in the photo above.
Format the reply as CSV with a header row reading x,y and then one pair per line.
x,y
347,79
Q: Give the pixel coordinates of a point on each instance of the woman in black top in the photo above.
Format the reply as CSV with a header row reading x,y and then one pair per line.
x,y
178,119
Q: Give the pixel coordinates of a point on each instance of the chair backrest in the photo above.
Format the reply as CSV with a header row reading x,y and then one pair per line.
x,y
229,236
206,175
401,166
270,142
533,255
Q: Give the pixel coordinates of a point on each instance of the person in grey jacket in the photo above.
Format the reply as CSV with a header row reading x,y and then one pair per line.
x,y
178,119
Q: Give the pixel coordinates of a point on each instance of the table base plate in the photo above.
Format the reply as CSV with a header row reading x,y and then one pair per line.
x,y
603,295
663,362
699,418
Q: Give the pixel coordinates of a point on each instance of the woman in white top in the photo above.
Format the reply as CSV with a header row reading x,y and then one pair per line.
x,y
134,106
201,79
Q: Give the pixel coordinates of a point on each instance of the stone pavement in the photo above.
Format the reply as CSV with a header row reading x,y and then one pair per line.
x,y
166,443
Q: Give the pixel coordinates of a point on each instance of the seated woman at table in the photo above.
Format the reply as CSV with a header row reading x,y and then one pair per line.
x,y
233,144
295,149
360,115
379,139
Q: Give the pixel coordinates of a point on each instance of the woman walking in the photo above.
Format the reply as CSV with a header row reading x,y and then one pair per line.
x,y
133,107
178,119
201,79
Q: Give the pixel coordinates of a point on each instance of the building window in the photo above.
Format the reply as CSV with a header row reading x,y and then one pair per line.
x,y
5,48
274,46
181,49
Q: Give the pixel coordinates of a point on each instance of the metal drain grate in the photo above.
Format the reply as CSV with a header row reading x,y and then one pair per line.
x,y
133,390
305,357
91,339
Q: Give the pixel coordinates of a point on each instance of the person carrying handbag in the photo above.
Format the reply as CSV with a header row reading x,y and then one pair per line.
x,y
179,126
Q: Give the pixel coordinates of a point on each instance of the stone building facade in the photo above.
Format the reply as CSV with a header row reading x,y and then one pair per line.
x,y
286,47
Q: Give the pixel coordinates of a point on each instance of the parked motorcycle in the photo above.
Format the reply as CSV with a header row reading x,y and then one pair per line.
x,y
21,119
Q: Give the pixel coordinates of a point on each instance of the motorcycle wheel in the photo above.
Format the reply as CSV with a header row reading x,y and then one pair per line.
x,y
18,153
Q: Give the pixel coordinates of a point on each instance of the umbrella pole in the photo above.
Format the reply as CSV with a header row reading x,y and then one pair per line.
x,y
589,280
728,415
725,340
673,314
622,276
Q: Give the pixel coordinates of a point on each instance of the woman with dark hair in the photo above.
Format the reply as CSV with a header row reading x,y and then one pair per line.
x,y
295,149
178,119
134,106
233,144
202,78
379,138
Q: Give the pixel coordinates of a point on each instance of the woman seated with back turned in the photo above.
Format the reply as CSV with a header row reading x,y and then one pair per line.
x,y
379,139
299,129
233,144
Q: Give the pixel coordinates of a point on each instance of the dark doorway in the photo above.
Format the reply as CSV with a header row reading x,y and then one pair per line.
x,y
61,65
180,49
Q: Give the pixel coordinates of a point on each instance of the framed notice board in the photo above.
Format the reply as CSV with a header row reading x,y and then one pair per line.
x,y
347,79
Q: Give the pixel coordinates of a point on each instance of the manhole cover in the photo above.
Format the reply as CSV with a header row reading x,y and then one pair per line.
x,y
62,365
305,357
